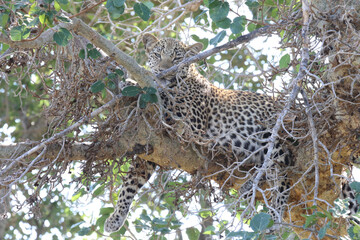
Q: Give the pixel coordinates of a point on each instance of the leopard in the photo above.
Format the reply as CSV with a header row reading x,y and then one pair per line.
x,y
233,121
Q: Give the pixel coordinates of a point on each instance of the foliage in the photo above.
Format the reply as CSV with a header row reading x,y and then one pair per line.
x,y
44,91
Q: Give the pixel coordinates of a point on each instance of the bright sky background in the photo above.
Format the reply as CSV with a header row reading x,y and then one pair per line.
x,y
92,207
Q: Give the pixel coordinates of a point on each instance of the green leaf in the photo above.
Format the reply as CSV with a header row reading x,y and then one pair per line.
x,y
175,224
153,98
42,18
122,230
94,53
85,231
118,3
111,76
131,91
62,37
98,86
202,14
209,230
355,186
89,46
145,97
206,214
354,232
148,98
142,104
111,85
78,194
214,3
19,33
115,8
193,233
251,27
82,54
142,10
62,2
238,25
119,72
144,216
34,23
100,222
150,90
106,211
320,214
284,61
99,191
358,198
4,18
209,2
351,232
46,17
149,4
34,9
322,231
57,6
273,3
204,41
260,222
218,38
310,220
244,235
271,237
225,23
219,10
252,3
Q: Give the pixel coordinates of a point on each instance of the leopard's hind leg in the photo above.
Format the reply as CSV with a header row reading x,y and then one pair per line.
x,y
277,180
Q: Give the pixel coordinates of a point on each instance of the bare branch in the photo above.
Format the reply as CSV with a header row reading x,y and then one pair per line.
x,y
59,135
242,39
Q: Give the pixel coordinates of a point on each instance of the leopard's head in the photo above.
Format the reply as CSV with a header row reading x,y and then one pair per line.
x,y
165,53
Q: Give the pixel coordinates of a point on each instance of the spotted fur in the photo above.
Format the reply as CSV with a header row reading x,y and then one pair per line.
x,y
349,193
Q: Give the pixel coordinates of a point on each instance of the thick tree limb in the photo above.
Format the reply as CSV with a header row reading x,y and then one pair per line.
x,y
177,158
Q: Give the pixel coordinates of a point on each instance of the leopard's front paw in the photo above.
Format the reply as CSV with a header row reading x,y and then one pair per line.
x,y
115,222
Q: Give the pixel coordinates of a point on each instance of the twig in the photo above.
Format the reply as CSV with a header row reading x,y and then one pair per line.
x,y
242,39
61,134
87,9
295,90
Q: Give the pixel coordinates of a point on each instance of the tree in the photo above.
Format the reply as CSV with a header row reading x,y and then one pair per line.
x,y
69,100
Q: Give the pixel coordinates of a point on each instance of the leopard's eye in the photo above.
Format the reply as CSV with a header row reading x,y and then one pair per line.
x,y
157,55
177,59
178,56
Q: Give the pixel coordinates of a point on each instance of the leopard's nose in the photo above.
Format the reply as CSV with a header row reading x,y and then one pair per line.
x,y
165,65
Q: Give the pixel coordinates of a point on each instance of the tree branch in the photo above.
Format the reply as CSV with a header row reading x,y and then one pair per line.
x,y
242,39
140,75
52,139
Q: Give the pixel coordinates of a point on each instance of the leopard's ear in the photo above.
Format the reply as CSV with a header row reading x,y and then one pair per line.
x,y
149,41
194,49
